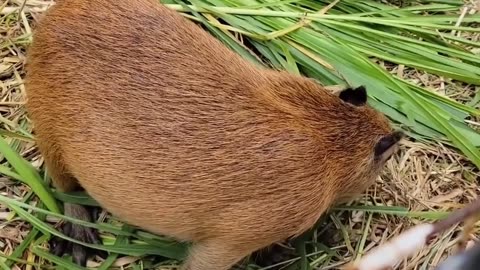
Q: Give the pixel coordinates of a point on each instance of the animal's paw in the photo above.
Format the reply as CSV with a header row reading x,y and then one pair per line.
x,y
273,255
80,253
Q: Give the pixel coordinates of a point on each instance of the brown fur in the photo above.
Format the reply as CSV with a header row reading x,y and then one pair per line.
x,y
171,131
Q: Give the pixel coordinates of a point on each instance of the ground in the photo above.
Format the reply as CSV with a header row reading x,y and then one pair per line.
x,y
422,177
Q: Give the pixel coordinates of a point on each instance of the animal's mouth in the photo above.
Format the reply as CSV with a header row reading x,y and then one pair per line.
x,y
398,135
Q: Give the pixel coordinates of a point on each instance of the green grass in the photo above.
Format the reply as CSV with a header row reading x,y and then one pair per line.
x,y
342,44
345,46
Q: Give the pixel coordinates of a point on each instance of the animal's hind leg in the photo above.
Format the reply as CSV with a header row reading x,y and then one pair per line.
x,y
214,255
65,182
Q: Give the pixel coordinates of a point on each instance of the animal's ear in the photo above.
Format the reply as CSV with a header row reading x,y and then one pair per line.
x,y
357,96
386,145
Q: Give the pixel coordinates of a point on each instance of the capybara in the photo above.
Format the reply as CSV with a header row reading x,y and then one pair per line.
x,y
171,131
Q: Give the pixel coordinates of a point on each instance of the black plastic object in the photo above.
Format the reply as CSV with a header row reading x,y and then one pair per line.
x,y
467,260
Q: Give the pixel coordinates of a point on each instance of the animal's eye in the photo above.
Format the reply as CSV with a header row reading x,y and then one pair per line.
x,y
357,96
385,146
